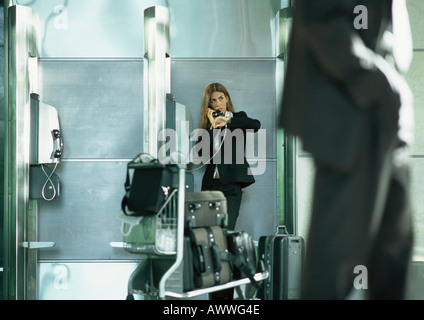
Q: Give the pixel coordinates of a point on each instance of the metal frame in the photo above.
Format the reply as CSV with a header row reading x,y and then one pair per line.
x,y
3,7
286,144
23,45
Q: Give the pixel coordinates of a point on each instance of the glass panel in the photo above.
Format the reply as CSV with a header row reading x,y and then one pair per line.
x,y
100,105
110,29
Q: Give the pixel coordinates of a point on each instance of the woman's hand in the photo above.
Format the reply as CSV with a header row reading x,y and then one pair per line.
x,y
219,122
209,113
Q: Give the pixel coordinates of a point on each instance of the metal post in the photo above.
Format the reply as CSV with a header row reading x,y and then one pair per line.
x,y
23,46
287,144
157,75
3,94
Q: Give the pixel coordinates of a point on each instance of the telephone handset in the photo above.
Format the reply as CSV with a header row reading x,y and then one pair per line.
x,y
213,114
217,114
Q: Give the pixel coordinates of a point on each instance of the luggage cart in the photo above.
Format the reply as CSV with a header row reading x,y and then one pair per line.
x,y
160,275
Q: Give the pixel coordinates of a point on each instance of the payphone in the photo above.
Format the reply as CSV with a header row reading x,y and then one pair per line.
x,y
45,150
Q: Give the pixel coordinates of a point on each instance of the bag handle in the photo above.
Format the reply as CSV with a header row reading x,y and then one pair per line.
x,y
216,259
128,220
142,158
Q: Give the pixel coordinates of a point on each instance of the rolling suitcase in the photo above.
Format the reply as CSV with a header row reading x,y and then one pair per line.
x,y
283,257
209,265
205,208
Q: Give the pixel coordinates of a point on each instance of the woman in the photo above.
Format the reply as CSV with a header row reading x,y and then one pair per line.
x,y
227,172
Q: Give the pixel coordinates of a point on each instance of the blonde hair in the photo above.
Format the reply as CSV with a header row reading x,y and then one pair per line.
x,y
213,87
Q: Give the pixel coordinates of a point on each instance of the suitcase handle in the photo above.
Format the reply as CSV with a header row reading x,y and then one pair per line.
x,y
281,230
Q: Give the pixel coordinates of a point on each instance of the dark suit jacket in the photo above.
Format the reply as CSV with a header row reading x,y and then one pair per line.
x,y
232,172
327,91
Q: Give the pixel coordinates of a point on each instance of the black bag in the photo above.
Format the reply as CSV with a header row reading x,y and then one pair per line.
x,y
150,186
243,255
208,248
205,208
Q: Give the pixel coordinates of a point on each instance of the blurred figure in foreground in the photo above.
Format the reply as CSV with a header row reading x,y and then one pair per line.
x,y
346,98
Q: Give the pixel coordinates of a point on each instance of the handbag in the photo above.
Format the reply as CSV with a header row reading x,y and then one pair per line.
x,y
150,185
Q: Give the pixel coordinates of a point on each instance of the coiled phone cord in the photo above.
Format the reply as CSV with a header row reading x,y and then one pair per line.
x,y
49,181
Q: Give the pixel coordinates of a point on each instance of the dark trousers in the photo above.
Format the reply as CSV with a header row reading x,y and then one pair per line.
x,y
233,194
361,218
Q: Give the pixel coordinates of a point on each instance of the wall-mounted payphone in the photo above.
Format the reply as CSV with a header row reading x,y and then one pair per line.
x,y
45,148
